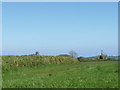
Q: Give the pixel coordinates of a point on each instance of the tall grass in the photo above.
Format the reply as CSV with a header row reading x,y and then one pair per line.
x,y
21,61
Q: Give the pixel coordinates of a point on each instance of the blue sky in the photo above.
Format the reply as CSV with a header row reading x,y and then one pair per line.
x,y
57,28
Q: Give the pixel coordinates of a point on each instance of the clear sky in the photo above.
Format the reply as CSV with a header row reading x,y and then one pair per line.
x,y
57,28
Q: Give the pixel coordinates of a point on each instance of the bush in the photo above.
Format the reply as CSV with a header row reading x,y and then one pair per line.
x,y
80,58
84,59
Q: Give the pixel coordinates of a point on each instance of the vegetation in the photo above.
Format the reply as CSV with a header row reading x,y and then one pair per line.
x,y
36,53
33,60
58,72
73,54
64,55
81,59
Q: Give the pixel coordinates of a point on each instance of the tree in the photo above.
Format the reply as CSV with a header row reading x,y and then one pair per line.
x,y
73,54
36,53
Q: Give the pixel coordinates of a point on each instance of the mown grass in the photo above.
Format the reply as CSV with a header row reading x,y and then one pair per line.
x,y
99,74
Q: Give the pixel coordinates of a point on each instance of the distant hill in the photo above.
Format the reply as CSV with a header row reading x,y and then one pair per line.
x,y
114,57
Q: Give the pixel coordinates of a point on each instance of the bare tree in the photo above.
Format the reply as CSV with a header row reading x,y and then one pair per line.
x,y
73,54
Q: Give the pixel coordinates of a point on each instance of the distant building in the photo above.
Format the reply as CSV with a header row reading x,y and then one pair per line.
x,y
102,56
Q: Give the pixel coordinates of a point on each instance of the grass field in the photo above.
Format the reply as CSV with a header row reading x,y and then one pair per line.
x,y
97,74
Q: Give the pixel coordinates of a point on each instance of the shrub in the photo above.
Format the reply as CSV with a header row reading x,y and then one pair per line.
x,y
80,58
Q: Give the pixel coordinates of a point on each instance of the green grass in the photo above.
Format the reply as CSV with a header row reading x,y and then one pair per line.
x,y
98,74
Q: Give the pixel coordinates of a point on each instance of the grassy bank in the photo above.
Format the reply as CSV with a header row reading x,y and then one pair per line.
x,y
68,74
23,61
